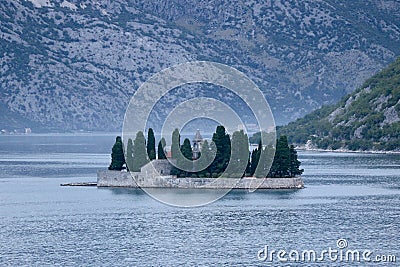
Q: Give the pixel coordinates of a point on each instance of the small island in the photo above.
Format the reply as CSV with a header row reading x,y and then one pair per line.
x,y
140,164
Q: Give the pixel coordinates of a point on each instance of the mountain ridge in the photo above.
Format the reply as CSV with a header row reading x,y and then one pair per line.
x,y
70,65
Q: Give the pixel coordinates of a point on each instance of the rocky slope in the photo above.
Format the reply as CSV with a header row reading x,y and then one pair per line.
x,y
69,65
368,119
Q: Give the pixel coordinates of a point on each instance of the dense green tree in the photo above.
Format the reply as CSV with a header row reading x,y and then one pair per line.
x,y
186,149
151,144
163,142
161,149
129,154
117,155
223,145
187,153
205,157
285,162
182,162
265,161
255,158
175,151
281,164
294,163
253,162
176,144
282,157
139,152
239,154
248,167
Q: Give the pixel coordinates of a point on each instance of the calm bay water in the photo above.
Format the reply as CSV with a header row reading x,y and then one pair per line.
x,y
348,196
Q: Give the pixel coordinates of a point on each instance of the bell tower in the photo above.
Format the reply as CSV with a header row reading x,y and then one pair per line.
x,y
197,143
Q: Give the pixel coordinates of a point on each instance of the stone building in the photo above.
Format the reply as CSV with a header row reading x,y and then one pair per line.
x,y
197,143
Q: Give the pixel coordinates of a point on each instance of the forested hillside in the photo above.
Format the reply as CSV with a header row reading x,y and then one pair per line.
x,y
367,119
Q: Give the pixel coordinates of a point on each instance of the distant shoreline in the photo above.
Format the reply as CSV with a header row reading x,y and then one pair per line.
x,y
302,148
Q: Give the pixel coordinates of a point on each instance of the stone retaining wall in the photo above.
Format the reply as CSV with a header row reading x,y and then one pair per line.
x,y
108,178
115,179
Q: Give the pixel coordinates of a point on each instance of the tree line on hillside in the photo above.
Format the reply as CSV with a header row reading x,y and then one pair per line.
x,y
367,119
232,156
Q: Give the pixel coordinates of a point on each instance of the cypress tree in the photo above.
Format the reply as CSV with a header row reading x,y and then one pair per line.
x,y
151,144
175,151
282,157
263,161
223,146
205,157
160,149
255,158
129,155
294,163
139,152
248,167
187,153
163,143
253,162
240,154
117,155
284,164
274,167
186,149
175,146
